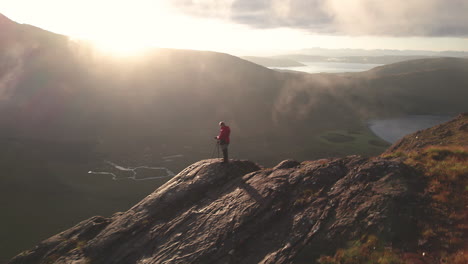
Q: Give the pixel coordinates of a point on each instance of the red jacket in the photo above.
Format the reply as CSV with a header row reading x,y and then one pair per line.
x,y
224,133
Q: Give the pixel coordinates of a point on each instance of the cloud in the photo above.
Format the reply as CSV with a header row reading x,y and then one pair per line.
x,y
403,18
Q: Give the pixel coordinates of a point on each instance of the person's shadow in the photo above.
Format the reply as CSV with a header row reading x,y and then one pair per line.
x,y
253,192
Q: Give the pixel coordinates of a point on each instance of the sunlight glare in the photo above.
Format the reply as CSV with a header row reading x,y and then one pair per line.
x,y
125,29
119,46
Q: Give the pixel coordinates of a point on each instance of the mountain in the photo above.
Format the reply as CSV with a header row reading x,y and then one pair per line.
x,y
428,64
401,207
67,109
418,87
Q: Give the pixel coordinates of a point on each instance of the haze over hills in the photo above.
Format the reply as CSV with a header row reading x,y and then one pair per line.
x,y
49,74
66,108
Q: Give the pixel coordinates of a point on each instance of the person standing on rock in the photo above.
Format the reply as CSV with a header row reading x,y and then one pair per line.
x,y
223,139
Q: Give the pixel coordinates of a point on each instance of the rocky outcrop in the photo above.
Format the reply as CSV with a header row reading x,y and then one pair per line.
x,y
241,213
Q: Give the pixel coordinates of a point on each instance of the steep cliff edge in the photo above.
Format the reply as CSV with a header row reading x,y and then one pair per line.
x,y
385,209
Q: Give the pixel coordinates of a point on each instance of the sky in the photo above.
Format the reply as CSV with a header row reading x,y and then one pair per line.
x,y
251,27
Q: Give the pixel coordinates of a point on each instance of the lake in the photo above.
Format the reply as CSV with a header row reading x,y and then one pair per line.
x,y
393,129
329,67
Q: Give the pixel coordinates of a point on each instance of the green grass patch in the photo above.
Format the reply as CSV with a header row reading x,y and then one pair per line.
x,y
337,138
346,142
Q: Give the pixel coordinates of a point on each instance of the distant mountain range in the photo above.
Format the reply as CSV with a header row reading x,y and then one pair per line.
x,y
350,56
379,52
65,108
295,60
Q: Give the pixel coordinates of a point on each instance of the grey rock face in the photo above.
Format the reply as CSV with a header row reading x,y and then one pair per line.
x,y
240,213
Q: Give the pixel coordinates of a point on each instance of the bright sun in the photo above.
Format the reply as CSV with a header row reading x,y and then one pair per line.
x,y
120,46
124,27
132,28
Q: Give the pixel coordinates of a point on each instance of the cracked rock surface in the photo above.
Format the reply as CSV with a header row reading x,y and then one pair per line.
x,y
242,213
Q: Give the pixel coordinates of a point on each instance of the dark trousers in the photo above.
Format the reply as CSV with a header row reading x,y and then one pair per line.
x,y
224,148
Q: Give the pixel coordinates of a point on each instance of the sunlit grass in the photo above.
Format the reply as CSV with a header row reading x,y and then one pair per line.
x,y
368,249
445,170
445,174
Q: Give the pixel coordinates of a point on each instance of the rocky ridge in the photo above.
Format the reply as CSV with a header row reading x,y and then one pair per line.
x,y
243,213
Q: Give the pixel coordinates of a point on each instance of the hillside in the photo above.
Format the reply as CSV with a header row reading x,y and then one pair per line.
x,y
385,209
416,65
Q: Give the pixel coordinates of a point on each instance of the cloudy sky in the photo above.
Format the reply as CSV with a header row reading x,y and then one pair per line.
x,y
252,27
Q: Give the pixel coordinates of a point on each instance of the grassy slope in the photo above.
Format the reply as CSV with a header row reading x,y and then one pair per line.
x,y
440,155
